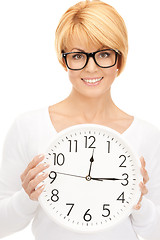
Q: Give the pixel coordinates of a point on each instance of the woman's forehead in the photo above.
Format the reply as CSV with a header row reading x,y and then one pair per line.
x,y
83,44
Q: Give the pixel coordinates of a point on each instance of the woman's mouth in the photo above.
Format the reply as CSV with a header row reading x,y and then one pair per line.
x,y
92,81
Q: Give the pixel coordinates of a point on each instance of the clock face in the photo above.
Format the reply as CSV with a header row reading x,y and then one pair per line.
x,y
93,180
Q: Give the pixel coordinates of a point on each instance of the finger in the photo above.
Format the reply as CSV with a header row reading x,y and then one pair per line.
x,y
33,184
35,171
32,174
143,188
143,163
35,194
144,191
138,206
35,161
145,175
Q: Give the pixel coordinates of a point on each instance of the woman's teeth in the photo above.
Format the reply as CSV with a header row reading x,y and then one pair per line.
x,y
92,80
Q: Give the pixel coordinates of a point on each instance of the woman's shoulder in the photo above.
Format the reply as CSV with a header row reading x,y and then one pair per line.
x,y
146,129
31,115
31,119
146,124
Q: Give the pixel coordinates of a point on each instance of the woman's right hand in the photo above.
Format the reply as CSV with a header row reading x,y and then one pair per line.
x,y
30,180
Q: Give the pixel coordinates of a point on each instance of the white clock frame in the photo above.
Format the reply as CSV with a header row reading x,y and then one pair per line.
x,y
70,179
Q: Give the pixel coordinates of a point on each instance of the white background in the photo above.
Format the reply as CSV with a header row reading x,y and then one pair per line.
x,y
31,77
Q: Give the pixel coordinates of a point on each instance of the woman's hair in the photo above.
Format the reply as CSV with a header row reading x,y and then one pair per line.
x,y
93,22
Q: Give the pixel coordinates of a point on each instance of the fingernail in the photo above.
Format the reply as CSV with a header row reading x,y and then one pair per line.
x,y
42,188
141,184
41,155
46,165
45,174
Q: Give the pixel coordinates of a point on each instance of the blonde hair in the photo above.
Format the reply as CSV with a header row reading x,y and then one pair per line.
x,y
93,21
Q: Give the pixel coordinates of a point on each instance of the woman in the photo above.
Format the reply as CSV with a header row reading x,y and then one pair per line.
x,y
91,43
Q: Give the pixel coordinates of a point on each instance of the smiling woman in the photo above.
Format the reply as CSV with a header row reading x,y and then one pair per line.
x,y
91,69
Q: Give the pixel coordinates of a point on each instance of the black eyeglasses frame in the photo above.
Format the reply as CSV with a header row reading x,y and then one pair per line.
x,y
92,54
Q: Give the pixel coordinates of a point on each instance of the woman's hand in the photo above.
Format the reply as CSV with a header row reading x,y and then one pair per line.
x,y
142,185
30,180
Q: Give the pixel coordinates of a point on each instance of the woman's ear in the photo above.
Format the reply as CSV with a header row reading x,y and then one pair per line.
x,y
118,63
64,65
65,68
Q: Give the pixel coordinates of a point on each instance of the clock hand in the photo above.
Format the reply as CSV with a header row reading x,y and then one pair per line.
x,y
72,175
91,160
112,179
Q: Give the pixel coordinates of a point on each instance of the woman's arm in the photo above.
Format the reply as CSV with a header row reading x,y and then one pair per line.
x,y
16,208
146,216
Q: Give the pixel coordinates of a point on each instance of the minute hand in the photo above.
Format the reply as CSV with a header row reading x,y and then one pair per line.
x,y
111,179
76,176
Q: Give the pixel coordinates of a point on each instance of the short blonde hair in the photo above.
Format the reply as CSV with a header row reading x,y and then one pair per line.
x,y
93,21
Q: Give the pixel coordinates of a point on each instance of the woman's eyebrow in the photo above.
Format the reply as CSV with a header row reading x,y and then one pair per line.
x,y
81,50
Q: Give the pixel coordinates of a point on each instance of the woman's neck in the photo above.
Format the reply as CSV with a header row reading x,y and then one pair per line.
x,y
91,109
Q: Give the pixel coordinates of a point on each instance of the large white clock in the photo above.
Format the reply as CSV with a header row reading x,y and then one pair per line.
x,y
93,179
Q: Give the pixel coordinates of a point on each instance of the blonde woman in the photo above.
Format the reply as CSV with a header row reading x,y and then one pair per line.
x,y
92,45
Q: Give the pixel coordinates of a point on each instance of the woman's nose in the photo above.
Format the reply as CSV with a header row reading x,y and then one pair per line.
x,y
91,65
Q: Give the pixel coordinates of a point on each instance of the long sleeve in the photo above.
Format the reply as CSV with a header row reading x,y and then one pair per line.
x,y
146,221
16,209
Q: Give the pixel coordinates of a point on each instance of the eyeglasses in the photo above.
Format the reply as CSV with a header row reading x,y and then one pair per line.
x,y
105,58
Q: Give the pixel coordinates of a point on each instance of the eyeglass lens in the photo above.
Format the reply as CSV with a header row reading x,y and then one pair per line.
x,y
77,60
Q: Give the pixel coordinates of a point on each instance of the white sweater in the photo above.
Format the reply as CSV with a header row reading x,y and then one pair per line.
x,y
29,136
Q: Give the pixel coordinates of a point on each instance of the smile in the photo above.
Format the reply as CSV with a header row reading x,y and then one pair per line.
x,y
93,80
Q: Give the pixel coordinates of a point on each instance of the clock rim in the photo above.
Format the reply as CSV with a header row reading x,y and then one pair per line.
x,y
112,131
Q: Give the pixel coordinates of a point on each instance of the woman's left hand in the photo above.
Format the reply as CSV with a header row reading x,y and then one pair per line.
x,y
142,185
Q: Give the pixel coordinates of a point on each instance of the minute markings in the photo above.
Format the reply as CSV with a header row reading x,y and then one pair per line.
x,y
91,144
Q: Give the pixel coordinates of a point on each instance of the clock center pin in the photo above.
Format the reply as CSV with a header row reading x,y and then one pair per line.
x,y
88,178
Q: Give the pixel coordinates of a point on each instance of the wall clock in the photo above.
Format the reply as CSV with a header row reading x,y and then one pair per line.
x,y
93,180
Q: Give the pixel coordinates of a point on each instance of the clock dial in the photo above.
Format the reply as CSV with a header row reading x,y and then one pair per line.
x,y
93,180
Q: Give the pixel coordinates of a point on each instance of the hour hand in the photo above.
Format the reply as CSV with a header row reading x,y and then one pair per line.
x,y
109,179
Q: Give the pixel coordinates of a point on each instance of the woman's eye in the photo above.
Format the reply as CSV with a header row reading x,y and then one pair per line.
x,y
77,56
104,55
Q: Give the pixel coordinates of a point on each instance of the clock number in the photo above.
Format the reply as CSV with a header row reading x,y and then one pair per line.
x,y
86,141
54,196
72,205
70,145
59,159
121,165
108,146
53,176
87,217
106,209
125,179
121,197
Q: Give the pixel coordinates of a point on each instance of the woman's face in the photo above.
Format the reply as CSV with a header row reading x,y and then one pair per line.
x,y
90,72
